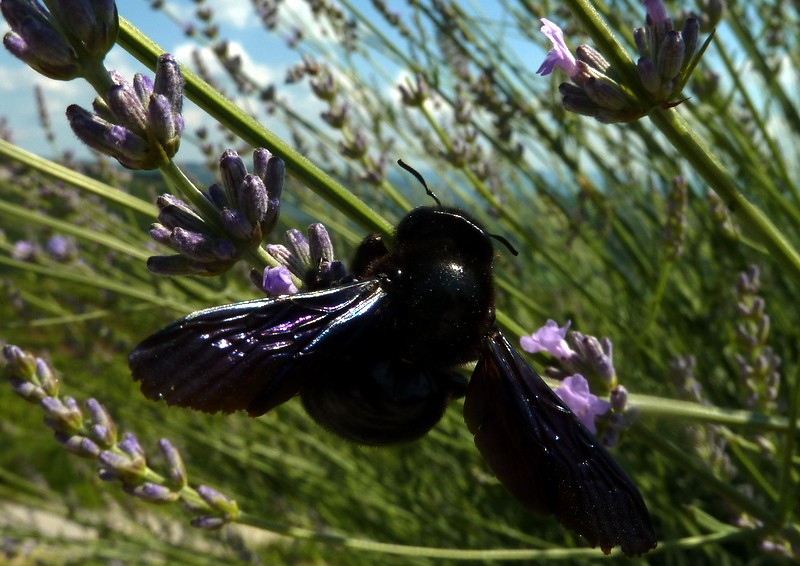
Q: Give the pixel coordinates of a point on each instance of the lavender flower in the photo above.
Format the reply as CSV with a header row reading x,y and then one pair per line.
x,y
140,123
94,436
311,260
549,338
574,391
245,207
560,55
666,57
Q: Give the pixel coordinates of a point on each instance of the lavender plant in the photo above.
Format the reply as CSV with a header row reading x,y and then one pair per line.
x,y
639,192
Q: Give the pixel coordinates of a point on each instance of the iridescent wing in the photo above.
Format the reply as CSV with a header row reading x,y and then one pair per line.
x,y
546,458
254,355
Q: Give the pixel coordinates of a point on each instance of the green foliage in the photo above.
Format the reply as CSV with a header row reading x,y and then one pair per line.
x,y
604,241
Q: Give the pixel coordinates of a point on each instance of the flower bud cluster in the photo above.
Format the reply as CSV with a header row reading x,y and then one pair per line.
x,y
675,230
60,40
90,432
311,260
666,58
758,363
245,207
140,123
584,360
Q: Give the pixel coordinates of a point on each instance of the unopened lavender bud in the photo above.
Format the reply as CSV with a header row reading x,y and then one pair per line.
x,y
122,466
62,416
641,36
690,33
762,329
130,445
218,197
174,213
324,86
166,126
261,159
273,180
217,501
648,73
606,93
592,57
336,116
170,265
575,99
78,445
127,107
209,522
169,81
618,399
20,364
36,41
201,247
253,199
236,224
320,245
46,377
280,253
94,23
414,95
298,246
233,171
31,392
152,492
670,56
103,428
176,471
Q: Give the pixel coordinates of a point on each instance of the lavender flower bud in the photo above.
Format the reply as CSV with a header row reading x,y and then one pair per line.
x,y
152,492
170,265
94,23
209,522
103,428
36,40
62,416
78,445
670,56
690,33
641,36
320,245
592,57
174,213
46,377
19,364
236,224
648,73
299,247
278,281
414,95
253,199
176,471
273,180
169,83
201,247
217,501
618,398
606,93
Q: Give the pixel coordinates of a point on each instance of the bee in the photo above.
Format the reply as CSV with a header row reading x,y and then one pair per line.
x,y
375,358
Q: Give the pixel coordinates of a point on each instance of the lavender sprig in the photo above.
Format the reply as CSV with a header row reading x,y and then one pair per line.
x,y
89,431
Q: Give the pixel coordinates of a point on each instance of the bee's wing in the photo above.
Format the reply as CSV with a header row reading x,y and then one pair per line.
x,y
546,458
254,355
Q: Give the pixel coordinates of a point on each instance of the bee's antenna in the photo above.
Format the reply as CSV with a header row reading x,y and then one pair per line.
x,y
420,179
505,242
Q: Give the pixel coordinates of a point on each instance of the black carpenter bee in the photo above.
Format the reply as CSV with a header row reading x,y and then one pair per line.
x,y
375,359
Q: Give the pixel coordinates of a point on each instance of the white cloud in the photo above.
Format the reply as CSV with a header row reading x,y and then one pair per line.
x,y
262,74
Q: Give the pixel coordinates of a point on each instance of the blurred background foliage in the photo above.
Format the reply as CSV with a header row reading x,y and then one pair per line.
x,y
616,233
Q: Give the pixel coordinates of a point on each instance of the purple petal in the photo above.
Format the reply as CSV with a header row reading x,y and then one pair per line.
x,y
560,55
574,391
549,338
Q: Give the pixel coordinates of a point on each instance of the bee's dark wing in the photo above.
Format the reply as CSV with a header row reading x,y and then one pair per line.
x,y
546,458
254,355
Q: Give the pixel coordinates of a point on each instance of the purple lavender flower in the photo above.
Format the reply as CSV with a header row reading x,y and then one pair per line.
x,y
278,281
549,338
559,56
574,391
140,123
24,250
